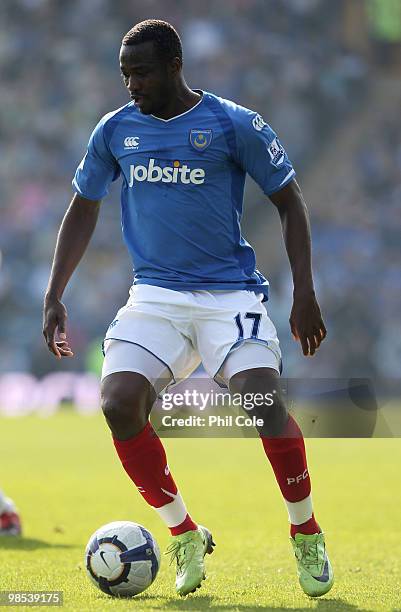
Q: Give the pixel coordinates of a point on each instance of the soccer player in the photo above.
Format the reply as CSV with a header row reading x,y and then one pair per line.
x,y
182,156
10,522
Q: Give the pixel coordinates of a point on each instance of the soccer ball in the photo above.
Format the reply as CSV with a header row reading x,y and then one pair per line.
x,y
122,558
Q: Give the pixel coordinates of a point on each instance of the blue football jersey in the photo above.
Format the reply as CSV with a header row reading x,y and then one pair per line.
x,y
182,190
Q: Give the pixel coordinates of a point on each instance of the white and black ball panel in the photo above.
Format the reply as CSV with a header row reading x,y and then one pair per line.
x,y
122,558
106,562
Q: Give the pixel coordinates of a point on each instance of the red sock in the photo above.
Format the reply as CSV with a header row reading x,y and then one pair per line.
x,y
144,459
308,528
288,459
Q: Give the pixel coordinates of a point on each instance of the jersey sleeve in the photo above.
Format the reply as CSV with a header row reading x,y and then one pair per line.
x,y
98,168
260,153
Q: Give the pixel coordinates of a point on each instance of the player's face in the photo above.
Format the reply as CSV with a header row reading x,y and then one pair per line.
x,y
147,78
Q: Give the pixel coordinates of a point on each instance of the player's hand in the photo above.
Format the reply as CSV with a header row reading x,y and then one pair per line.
x,y
54,318
306,322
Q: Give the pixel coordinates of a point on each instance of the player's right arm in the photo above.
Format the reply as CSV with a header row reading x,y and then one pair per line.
x,y
73,238
92,179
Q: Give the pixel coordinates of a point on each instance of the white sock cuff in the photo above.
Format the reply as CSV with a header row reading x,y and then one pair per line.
x,y
299,512
173,514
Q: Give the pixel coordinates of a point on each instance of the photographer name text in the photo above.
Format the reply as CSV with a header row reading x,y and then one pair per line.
x,y
212,421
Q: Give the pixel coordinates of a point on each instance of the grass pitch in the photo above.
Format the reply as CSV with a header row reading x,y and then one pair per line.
x,y
67,481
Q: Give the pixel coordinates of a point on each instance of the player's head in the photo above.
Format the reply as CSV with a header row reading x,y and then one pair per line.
x,y
151,63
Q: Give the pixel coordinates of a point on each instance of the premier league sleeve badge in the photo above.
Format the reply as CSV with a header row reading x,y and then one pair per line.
x,y
276,152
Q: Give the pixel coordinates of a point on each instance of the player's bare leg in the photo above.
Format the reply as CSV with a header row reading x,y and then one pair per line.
x,y
127,400
284,446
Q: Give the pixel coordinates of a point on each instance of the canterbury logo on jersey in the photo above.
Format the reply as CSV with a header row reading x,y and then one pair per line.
x,y
131,142
176,173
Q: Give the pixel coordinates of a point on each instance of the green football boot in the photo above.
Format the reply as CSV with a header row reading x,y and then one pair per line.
x,y
314,569
188,550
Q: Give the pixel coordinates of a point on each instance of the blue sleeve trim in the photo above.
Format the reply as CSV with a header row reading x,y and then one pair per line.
x,y
226,123
81,193
111,123
237,173
282,185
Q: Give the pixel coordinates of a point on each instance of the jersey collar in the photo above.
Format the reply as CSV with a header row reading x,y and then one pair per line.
x,y
186,112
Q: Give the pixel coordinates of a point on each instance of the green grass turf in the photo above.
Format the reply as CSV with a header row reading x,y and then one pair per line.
x,y
67,481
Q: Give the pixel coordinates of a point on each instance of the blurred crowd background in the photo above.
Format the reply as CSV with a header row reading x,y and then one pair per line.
x,y
324,74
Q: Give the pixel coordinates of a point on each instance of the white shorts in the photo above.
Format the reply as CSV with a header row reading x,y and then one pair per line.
x,y
228,331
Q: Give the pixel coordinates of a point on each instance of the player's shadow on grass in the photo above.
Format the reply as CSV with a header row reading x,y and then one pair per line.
x,y
204,602
334,604
17,543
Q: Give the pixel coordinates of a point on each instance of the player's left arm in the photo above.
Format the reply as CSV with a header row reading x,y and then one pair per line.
x,y
260,153
306,320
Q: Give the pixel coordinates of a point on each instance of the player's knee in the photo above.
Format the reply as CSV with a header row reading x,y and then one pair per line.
x,y
117,409
126,404
273,417
124,416
261,398
270,413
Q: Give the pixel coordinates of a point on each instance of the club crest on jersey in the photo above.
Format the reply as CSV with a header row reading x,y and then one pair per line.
x,y
200,139
276,152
